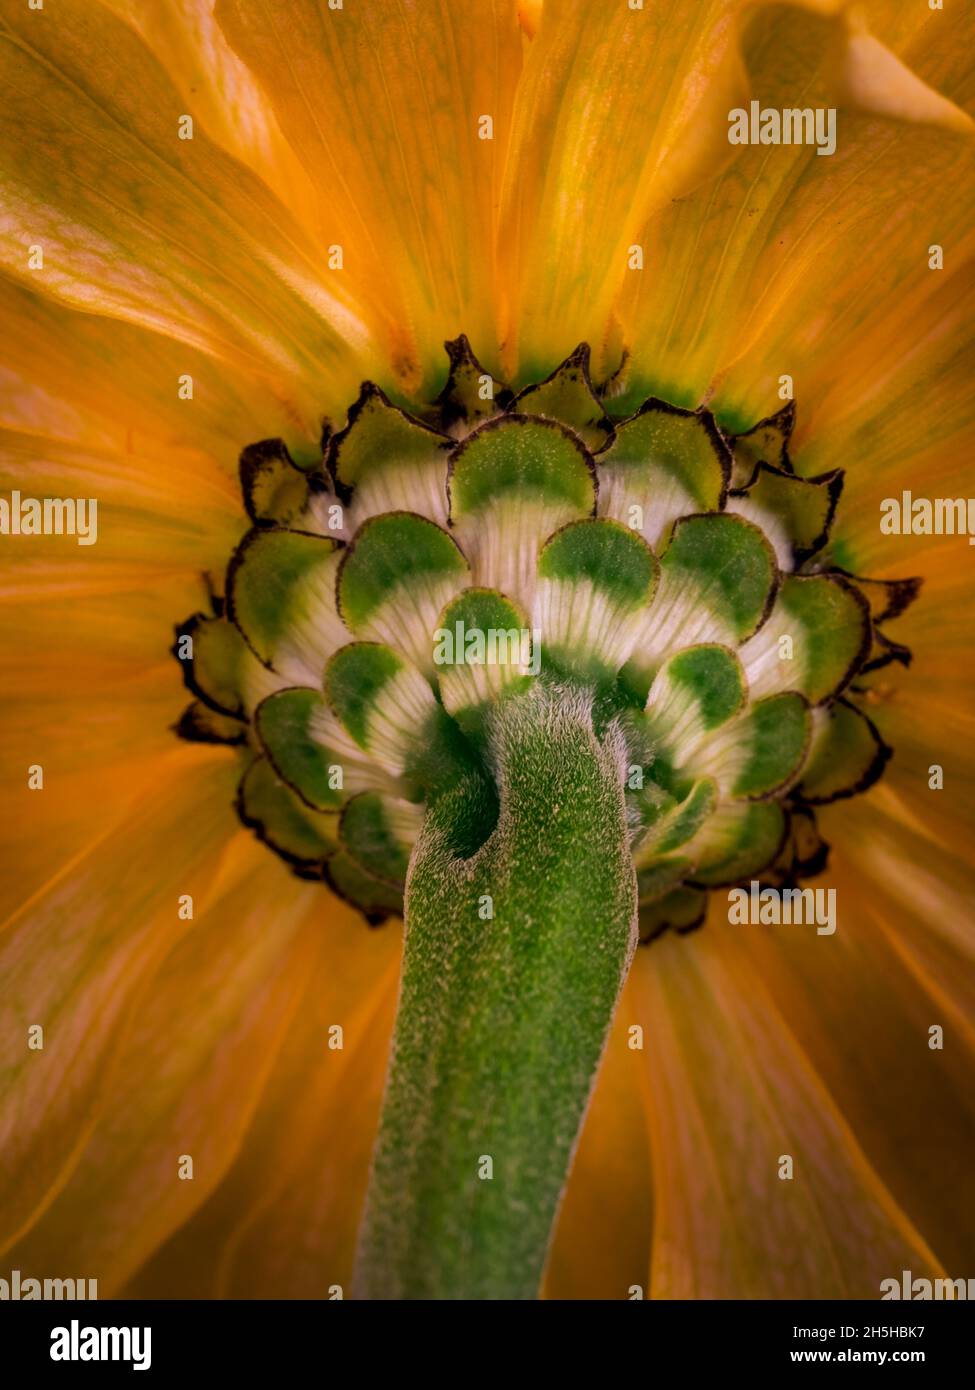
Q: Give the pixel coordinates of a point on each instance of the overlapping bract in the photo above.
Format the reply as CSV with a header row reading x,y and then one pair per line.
x,y
679,574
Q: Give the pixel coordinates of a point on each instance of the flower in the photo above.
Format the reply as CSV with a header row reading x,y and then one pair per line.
x,y
353,188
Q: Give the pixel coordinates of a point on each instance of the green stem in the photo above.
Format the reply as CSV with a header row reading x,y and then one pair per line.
x,y
502,1019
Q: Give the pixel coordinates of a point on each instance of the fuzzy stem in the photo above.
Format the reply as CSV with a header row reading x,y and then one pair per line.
x,y
502,1019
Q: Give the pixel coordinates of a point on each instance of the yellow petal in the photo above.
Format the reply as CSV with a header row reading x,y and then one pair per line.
x,y
874,79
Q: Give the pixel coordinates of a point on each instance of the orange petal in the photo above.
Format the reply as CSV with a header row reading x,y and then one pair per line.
x,y
77,960
196,1059
860,1004
789,263
168,507
731,1098
586,173
602,1237
283,1223
220,91
100,381
139,224
387,107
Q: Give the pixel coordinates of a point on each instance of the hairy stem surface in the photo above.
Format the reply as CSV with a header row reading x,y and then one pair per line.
x,y
513,962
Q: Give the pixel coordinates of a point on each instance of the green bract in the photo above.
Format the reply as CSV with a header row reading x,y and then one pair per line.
x,y
433,566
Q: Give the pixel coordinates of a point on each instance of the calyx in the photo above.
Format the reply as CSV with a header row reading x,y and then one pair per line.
x,y
675,576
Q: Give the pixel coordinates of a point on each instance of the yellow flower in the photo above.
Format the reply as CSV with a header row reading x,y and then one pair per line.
x,y
219,217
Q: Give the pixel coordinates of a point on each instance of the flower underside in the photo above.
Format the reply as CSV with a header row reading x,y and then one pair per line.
x,y
431,567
